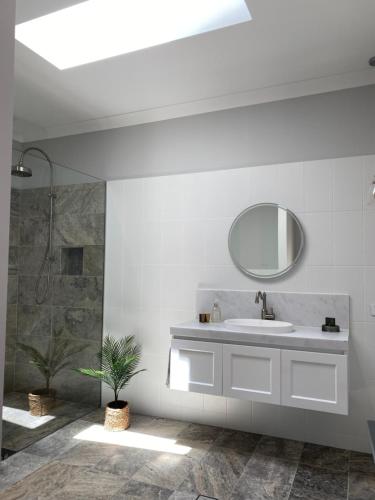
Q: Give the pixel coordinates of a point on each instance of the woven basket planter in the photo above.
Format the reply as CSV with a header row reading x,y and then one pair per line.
x,y
117,416
41,401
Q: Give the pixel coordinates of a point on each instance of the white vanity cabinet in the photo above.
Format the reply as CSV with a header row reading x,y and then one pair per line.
x,y
311,380
314,381
196,366
251,372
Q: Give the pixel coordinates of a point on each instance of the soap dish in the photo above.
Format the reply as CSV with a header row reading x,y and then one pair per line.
x,y
331,329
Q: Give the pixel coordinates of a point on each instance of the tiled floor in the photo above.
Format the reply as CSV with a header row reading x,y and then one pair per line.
x,y
171,460
20,429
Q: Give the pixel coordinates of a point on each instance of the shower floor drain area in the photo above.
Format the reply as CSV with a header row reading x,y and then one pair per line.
x,y
202,497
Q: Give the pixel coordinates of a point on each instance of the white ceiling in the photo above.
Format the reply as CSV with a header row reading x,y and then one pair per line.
x,y
290,48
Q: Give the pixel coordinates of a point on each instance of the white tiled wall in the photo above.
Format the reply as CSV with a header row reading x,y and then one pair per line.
x,y
167,236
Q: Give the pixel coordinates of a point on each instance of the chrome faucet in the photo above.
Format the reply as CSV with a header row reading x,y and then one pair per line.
x,y
266,314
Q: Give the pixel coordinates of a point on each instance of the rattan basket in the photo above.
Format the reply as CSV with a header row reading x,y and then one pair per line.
x,y
41,401
117,419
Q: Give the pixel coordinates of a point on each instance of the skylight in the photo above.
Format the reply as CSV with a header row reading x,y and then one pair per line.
x,y
98,29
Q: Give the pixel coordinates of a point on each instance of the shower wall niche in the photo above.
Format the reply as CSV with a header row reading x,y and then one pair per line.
x,y
74,306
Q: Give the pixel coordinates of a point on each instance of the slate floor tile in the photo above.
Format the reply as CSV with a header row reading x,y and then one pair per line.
x,y
86,483
361,462
181,495
261,490
59,442
217,474
203,497
125,462
237,440
196,450
87,453
167,471
202,433
280,448
361,486
325,457
265,478
221,464
19,466
160,427
58,480
312,483
135,490
270,468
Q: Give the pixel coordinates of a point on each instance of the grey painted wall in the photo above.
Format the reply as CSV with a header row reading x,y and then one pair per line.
x,y
7,12
331,125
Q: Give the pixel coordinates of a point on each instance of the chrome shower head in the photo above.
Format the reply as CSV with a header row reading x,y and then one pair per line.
x,y
19,170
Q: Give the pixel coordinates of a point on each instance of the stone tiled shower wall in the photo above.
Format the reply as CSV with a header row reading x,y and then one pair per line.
x,y
74,305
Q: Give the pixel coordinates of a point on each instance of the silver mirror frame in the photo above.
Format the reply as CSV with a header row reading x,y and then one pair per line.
x,y
284,271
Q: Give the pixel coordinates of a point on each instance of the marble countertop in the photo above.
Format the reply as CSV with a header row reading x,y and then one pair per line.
x,y
303,337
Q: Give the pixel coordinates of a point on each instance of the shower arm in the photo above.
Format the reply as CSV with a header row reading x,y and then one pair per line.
x,y
34,148
51,194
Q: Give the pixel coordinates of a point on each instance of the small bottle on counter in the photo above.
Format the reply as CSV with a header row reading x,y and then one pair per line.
x,y
216,313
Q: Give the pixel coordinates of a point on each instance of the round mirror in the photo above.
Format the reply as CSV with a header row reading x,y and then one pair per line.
x,y
266,240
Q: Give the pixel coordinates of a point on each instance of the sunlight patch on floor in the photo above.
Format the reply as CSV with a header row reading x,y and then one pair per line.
x,y
97,433
23,418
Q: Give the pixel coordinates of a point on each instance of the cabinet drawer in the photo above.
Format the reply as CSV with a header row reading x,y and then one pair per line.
x,y
196,366
315,381
251,373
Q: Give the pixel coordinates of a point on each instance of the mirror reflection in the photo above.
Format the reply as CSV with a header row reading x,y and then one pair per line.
x,y
266,240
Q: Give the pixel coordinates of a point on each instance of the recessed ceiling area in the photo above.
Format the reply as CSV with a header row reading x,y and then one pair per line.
x,y
289,49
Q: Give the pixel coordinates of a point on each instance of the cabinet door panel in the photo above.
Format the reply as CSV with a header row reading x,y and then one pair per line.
x,y
251,373
196,366
315,381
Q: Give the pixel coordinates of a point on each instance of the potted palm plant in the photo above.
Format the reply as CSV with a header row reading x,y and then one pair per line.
x,y
56,357
118,362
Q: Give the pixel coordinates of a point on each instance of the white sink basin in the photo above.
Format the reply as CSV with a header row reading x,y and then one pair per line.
x,y
259,325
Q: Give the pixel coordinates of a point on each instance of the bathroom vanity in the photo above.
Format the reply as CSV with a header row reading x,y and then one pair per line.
x,y
304,368
290,361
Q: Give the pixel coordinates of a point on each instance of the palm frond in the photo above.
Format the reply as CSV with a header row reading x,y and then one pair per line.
x,y
58,350
90,372
118,360
37,359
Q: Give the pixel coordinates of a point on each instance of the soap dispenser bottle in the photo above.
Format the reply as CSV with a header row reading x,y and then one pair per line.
x,y
216,313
